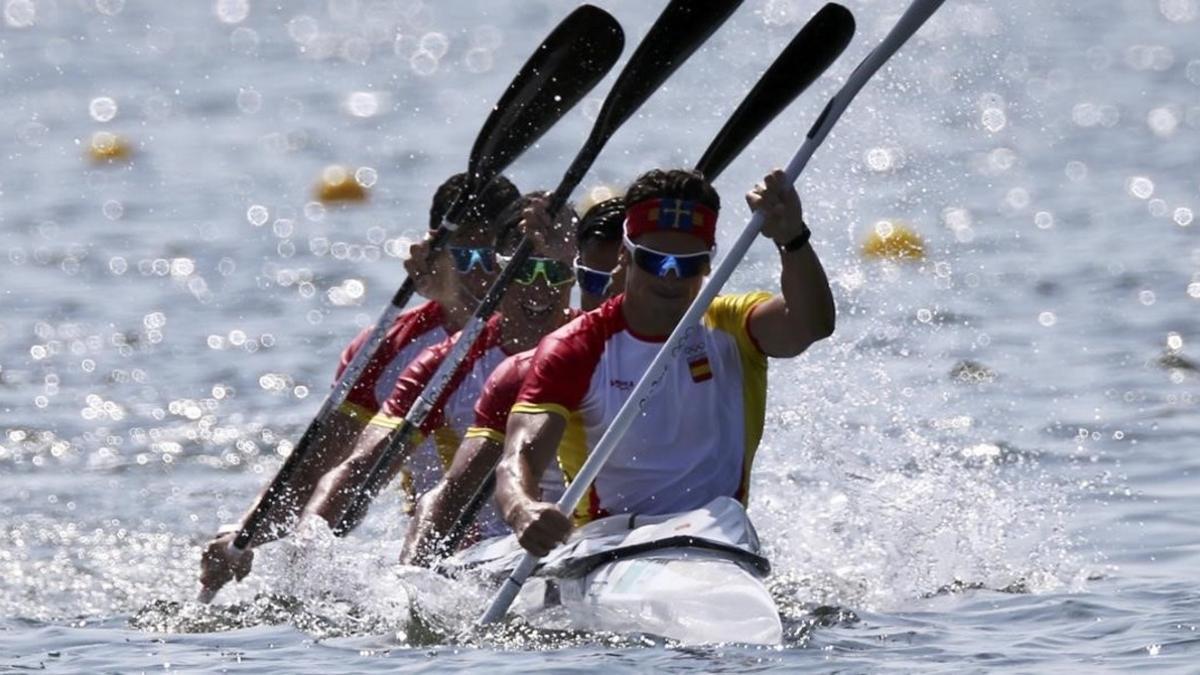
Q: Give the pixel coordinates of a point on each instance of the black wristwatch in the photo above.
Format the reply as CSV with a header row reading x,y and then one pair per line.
x,y
798,242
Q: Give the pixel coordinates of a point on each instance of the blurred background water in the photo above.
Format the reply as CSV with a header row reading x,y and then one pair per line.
x,y
990,466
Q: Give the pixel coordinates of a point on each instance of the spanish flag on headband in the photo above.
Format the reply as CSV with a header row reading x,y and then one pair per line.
x,y
700,369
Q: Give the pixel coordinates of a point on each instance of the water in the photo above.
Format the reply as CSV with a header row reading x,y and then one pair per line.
x,y
990,466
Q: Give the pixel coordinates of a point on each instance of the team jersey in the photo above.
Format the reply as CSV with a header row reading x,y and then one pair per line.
x,y
416,329
491,417
453,412
696,437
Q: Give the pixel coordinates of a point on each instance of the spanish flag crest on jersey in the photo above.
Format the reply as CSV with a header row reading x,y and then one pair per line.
x,y
700,368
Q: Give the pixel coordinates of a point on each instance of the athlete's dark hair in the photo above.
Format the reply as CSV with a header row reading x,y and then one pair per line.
x,y
507,236
673,183
485,209
603,222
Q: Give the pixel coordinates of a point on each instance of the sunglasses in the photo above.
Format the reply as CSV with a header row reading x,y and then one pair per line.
x,y
554,272
685,266
592,281
468,258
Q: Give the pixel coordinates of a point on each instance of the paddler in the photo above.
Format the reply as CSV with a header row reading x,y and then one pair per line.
x,y
532,306
598,240
452,283
697,435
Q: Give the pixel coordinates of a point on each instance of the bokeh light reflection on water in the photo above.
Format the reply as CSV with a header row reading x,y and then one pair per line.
x,y
992,461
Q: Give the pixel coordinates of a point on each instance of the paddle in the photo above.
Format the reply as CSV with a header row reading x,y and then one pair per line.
x,y
913,18
564,67
805,58
681,28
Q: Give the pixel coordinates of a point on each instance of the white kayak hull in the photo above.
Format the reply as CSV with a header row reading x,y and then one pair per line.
x,y
695,577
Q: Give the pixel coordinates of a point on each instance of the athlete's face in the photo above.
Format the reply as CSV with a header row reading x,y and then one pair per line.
x,y
541,290
670,294
472,260
601,255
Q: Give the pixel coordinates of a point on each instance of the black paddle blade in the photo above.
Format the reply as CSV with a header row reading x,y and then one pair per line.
x,y
566,66
814,49
678,32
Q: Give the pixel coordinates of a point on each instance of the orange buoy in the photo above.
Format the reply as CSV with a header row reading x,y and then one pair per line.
x,y
338,184
893,240
107,147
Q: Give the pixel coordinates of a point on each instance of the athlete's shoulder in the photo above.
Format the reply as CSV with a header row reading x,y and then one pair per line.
x,y
587,332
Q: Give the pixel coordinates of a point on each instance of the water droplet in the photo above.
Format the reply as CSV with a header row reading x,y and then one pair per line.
x,y
479,60
879,159
1140,187
232,11
366,176
303,29
1162,121
257,215
1147,298
102,108
1047,319
1157,207
1017,198
1178,11
117,265
1182,216
994,119
20,13
1044,220
924,315
113,209
1174,341
314,211
435,43
110,7
283,227
362,104
1076,171
423,63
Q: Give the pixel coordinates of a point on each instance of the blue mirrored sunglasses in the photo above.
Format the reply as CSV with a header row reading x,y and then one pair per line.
x,y
468,258
592,281
661,264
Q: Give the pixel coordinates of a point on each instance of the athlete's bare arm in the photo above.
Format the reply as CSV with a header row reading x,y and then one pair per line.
x,y
219,564
530,446
439,510
337,488
803,313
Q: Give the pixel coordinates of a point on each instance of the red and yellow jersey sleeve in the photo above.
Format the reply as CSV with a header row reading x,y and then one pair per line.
x,y
412,382
410,330
561,370
731,314
499,394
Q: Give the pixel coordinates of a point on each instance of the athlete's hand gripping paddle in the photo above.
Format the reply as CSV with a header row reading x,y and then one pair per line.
x,y
576,55
913,18
681,28
814,48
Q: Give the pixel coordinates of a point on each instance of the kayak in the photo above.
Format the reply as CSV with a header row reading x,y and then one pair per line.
x,y
695,577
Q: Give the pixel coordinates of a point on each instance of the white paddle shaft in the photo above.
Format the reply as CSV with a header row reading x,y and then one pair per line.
x,y
913,18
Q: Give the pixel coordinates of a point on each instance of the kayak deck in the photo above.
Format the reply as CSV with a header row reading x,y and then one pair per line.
x,y
694,577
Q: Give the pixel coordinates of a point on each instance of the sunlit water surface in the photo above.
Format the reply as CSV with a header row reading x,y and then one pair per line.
x,y
991,465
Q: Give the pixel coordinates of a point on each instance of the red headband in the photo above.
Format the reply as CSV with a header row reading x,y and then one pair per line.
x,y
680,215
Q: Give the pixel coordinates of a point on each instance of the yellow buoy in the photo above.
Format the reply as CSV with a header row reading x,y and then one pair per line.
x,y
106,146
338,184
893,240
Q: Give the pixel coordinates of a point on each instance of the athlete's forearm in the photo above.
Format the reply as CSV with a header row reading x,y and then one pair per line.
x,y
810,311
530,446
